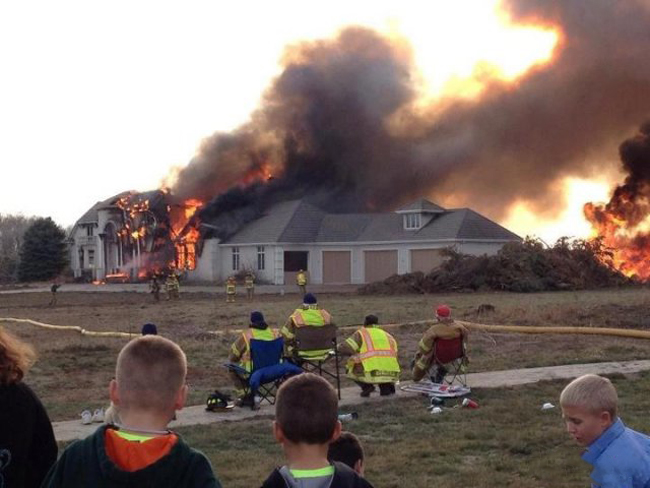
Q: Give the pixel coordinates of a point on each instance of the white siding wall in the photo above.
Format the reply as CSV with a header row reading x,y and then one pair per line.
x,y
248,261
274,272
208,263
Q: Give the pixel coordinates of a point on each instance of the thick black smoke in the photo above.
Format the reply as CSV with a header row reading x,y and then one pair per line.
x,y
338,123
630,202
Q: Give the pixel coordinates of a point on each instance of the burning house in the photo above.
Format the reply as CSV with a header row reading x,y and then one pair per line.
x,y
323,174
130,236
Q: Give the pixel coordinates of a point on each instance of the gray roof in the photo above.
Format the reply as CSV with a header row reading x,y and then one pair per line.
x,y
301,222
421,205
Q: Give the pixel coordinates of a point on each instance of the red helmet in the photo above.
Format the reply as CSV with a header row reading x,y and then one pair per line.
x,y
443,311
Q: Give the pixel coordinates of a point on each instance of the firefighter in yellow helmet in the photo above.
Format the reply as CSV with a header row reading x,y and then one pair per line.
x,y
301,281
231,289
309,315
240,352
373,358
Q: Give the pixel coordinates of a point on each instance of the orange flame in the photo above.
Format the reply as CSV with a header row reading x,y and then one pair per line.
x,y
627,239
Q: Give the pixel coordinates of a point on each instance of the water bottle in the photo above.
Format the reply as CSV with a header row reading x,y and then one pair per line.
x,y
348,416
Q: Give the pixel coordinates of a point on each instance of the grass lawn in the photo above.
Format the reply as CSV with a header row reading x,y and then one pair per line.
x,y
508,441
73,370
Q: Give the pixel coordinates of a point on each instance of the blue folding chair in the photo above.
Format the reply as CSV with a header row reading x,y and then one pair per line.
x,y
268,370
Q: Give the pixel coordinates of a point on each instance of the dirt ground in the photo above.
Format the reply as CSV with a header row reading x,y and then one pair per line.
x,y
73,370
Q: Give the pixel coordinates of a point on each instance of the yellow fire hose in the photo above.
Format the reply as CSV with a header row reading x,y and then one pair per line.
x,y
72,328
513,329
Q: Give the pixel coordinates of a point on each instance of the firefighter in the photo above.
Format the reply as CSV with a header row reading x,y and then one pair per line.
x,y
231,289
53,289
154,286
309,315
172,286
373,358
250,285
446,328
301,281
240,352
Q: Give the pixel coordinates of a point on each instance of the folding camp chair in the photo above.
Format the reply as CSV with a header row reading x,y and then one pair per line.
x,y
314,347
268,370
451,356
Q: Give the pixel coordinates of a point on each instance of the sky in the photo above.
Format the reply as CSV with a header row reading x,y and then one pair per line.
x,y
101,97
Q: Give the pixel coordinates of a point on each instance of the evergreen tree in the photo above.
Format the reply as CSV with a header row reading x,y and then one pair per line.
x,y
43,254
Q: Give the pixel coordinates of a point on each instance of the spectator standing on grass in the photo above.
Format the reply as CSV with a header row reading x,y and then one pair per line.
x,y
619,455
27,444
347,449
373,358
424,360
306,422
149,387
112,416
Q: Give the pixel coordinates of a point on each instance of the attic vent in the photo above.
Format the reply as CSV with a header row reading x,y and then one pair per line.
x,y
412,221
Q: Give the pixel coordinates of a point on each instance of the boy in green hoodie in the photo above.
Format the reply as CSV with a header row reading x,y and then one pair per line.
x,y
306,421
149,387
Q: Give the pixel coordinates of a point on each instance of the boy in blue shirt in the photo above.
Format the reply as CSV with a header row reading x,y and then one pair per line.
x,y
620,456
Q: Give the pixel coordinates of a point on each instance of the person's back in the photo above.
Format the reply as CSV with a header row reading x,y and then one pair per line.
x,y
446,328
309,315
619,455
240,353
373,358
27,444
305,424
148,390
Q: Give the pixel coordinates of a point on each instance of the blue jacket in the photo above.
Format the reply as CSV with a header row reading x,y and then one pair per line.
x,y
620,457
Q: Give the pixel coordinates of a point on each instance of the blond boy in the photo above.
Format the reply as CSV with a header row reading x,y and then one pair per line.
x,y
306,422
620,456
149,387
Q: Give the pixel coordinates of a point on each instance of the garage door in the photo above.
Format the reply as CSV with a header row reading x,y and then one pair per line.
x,y
337,267
425,259
380,265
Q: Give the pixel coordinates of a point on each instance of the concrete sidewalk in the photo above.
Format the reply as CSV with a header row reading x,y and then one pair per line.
x,y
196,415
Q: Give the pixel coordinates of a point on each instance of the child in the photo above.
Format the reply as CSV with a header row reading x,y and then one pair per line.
x,y
348,450
306,421
620,456
148,388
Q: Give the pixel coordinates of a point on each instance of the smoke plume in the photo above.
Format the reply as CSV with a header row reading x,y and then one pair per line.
x,y
340,125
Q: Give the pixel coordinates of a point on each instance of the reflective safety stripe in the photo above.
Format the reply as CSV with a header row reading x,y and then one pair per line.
x,y
311,317
378,352
133,437
313,473
352,343
230,288
267,334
